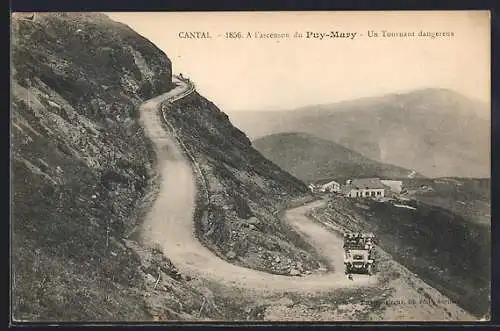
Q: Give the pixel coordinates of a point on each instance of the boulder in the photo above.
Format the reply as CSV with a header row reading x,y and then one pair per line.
x,y
294,272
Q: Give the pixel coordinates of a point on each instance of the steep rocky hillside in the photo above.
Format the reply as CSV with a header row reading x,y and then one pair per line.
x,y
310,158
437,132
245,190
81,168
84,174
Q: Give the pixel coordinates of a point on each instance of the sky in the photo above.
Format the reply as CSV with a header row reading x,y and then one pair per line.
x,y
277,74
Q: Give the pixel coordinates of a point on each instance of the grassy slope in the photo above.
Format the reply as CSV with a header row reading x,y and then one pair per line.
x,y
310,158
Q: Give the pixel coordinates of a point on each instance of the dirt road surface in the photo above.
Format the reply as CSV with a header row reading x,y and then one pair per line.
x,y
169,223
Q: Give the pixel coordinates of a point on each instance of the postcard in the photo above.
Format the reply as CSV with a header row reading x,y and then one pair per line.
x,y
250,166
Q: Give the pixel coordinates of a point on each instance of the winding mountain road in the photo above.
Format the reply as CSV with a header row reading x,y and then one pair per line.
x,y
170,220
170,224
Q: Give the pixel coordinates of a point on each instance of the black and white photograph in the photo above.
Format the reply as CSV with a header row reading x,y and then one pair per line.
x,y
250,166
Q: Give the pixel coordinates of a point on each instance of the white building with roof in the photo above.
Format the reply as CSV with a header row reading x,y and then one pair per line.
x,y
364,188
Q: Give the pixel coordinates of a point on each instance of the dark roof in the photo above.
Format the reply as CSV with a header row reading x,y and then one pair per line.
x,y
370,183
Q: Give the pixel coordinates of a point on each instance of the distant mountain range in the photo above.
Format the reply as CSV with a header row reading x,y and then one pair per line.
x,y
437,132
310,158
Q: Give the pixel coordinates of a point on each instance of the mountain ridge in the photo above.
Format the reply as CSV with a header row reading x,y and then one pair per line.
x,y
434,131
310,158
328,105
